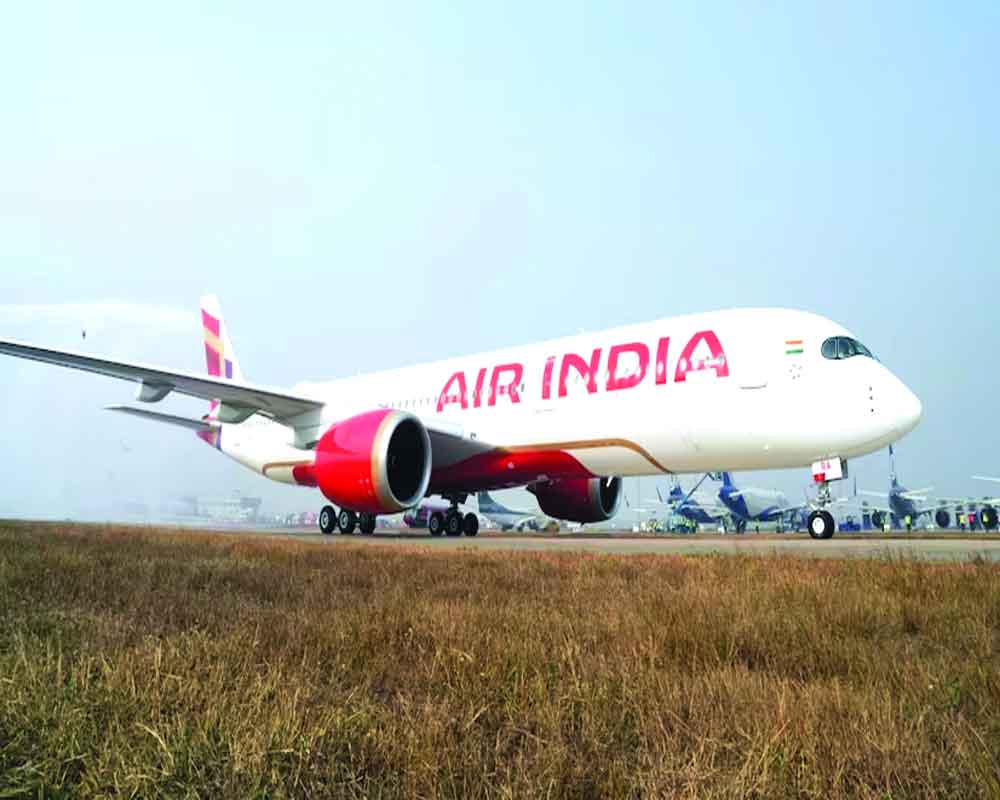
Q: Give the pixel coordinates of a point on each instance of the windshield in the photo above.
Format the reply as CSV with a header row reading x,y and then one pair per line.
x,y
840,347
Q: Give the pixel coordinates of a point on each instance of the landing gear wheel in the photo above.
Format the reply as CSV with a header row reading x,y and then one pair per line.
x,y
821,525
470,524
366,522
878,519
327,520
741,526
346,521
453,524
988,517
436,523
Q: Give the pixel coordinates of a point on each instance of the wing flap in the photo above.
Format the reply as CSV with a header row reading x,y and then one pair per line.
x,y
170,419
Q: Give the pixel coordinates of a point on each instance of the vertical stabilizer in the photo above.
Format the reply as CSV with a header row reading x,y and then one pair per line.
x,y
220,356
220,359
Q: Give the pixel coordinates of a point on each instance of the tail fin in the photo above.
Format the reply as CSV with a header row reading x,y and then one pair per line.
x,y
727,479
220,357
485,501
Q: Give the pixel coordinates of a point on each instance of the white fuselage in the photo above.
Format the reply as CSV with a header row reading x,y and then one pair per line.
x,y
755,394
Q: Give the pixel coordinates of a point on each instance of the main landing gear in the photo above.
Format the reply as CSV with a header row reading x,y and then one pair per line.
x,y
452,521
346,521
820,522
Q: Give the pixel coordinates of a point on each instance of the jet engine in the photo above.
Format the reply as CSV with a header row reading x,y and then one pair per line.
x,y
988,518
378,462
942,518
580,499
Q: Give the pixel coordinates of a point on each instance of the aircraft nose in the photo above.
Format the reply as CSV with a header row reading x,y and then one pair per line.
x,y
907,409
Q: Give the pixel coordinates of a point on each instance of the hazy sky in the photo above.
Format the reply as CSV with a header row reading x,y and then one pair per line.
x,y
367,186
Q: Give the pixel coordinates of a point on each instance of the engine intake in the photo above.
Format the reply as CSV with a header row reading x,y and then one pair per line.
x,y
379,462
580,499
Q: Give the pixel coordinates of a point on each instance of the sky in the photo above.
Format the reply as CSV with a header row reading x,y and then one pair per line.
x,y
368,186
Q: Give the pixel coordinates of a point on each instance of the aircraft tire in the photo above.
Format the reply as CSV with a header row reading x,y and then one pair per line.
x,y
366,522
821,525
436,523
988,518
327,520
470,524
453,523
346,521
878,519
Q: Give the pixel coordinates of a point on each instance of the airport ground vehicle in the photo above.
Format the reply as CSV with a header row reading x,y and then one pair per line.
x,y
567,418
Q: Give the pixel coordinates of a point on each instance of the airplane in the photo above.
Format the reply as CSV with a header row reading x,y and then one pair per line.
x,y
751,505
988,516
737,389
419,516
903,504
504,517
699,509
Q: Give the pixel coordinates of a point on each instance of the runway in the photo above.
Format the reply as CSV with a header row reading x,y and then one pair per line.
x,y
919,547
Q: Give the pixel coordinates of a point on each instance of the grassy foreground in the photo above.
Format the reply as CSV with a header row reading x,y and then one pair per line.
x,y
151,664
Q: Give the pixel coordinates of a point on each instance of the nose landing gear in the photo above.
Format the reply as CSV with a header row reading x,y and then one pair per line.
x,y
820,523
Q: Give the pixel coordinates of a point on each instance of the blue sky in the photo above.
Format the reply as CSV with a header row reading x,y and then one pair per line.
x,y
368,186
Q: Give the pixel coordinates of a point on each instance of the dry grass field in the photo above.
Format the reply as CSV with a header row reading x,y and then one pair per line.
x,y
150,664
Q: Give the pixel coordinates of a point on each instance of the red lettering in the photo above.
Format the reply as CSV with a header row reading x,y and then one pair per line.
x,y
550,362
588,371
718,360
661,360
446,397
616,381
477,399
510,388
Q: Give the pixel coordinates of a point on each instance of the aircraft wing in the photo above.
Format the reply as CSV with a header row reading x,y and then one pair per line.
x,y
239,400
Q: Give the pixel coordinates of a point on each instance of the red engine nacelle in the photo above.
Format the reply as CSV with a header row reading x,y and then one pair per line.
x,y
580,499
379,462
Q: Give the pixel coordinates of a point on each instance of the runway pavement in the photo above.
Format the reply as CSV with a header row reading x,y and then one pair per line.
x,y
945,548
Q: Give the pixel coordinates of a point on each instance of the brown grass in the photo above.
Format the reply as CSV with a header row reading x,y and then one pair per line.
x,y
151,664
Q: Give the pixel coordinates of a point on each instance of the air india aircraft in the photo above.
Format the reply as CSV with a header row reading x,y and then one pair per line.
x,y
728,390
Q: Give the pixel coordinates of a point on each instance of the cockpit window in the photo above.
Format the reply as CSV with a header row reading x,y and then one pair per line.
x,y
840,347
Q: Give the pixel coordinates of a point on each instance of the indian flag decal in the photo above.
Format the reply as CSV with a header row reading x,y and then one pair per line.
x,y
793,347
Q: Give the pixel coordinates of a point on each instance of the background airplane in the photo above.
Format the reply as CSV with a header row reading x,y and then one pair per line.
x,y
504,517
750,506
419,517
699,508
909,507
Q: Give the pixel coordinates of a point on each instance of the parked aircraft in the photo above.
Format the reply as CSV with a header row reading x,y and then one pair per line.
x,y
701,509
505,517
752,506
726,390
908,506
420,516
